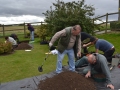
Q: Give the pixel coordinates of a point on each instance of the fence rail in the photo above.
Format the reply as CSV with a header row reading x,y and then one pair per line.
x,y
16,27
106,21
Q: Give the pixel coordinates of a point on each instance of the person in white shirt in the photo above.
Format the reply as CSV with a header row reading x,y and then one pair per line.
x,y
12,41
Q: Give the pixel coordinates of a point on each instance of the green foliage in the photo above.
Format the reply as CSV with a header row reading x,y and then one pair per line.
x,y
42,31
5,47
69,14
115,25
103,27
28,33
1,48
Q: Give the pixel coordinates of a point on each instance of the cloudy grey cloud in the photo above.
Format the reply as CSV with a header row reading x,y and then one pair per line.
x,y
16,8
37,7
24,7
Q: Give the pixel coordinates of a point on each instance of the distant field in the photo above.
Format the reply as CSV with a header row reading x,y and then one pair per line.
x,y
18,29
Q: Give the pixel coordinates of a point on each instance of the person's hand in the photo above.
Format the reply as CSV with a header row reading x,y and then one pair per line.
x,y
110,86
50,44
52,48
79,54
88,74
84,45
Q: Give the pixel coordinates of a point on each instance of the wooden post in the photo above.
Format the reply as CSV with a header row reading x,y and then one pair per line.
x,y
106,22
24,30
41,22
3,30
93,27
119,11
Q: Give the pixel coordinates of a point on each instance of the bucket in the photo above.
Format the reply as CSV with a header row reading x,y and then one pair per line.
x,y
99,77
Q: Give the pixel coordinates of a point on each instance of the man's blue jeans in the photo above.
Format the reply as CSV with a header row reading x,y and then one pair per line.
x,y
71,60
32,35
81,61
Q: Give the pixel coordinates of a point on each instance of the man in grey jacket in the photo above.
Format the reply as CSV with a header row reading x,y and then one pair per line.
x,y
97,63
69,43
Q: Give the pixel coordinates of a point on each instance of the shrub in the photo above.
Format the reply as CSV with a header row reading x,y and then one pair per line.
x,y
115,25
42,32
5,47
28,34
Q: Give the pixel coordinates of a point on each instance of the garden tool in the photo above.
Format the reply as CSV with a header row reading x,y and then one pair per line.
x,y
112,67
40,69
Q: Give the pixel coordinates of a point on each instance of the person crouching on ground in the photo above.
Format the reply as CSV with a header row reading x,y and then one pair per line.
x,y
15,37
97,63
107,48
12,41
69,42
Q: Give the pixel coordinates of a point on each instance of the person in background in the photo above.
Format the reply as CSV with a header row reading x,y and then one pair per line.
x,y
31,29
15,37
70,44
12,41
97,63
85,36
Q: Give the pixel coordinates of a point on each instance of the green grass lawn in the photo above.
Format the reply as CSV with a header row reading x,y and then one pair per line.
x,y
22,64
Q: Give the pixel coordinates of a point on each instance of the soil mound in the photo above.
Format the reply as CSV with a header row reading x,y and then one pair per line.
x,y
25,41
67,81
23,46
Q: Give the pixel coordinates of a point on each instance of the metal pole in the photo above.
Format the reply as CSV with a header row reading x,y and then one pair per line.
x,y
106,22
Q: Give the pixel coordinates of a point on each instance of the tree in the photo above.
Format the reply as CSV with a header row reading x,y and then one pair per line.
x,y
69,14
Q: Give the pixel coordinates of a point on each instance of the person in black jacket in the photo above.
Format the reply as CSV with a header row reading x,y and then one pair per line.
x,y
89,38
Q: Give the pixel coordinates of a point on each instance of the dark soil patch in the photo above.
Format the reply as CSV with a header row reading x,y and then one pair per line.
x,y
99,76
4,54
67,81
23,46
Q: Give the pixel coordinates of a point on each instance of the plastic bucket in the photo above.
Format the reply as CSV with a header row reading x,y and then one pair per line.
x,y
99,77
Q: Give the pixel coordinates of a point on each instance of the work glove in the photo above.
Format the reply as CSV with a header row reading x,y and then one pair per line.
x,y
52,48
50,44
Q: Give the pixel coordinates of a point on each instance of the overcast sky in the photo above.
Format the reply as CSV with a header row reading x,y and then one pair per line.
x,y
19,11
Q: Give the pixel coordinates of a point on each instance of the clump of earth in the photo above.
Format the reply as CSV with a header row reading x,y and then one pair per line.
x,y
23,45
67,81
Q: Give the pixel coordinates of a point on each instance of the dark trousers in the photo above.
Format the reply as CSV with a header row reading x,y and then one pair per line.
x,y
85,50
14,46
109,54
